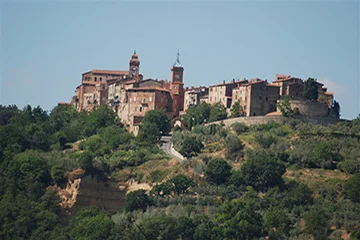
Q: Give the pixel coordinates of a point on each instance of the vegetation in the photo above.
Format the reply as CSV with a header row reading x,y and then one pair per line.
x,y
236,110
292,180
310,89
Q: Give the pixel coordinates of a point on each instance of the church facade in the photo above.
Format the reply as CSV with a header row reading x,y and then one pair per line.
x,y
128,94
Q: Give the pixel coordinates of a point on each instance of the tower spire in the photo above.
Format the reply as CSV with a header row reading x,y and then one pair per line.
x,y
177,62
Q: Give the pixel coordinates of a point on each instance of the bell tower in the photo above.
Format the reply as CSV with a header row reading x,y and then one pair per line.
x,y
134,65
177,86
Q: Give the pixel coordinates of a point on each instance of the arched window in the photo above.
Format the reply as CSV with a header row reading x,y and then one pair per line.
x,y
100,79
95,79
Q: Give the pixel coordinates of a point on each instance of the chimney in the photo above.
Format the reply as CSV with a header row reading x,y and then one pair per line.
x,y
223,81
233,80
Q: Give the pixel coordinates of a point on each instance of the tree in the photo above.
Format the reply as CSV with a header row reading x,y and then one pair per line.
x,y
148,132
91,223
316,223
351,188
163,189
85,161
196,115
284,105
233,147
311,91
190,146
217,112
335,109
137,200
181,183
238,219
236,110
217,171
262,171
276,219
159,118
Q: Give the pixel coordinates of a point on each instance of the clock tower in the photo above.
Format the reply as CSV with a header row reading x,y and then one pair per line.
x,y
177,86
134,65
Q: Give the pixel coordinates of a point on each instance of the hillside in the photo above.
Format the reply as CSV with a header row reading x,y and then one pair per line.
x,y
289,180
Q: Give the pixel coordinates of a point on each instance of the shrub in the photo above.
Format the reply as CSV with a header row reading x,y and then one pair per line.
x,y
265,140
349,166
233,147
239,127
181,183
218,171
351,188
137,200
262,171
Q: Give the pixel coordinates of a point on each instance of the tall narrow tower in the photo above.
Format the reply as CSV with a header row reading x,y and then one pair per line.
x,y
134,65
177,86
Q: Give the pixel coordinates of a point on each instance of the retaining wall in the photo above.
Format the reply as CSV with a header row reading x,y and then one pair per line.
x,y
278,119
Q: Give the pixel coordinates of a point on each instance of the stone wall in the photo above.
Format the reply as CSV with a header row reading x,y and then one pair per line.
x,y
309,108
278,119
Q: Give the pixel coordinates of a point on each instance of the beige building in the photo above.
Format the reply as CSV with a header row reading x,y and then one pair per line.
x,y
195,95
256,97
223,92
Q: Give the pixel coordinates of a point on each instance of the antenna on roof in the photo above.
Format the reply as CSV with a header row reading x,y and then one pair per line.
x,y
177,62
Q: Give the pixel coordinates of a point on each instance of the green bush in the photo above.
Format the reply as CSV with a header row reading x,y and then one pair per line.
x,y
137,200
239,127
351,188
217,171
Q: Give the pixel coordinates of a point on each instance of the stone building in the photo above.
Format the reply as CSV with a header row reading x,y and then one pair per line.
x,y
256,97
195,95
93,89
129,95
223,92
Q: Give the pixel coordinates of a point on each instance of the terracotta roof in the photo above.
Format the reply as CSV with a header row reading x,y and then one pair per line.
x,y
229,83
151,88
109,72
286,79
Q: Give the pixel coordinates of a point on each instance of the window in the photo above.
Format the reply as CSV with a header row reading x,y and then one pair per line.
x,y
134,98
135,109
144,100
95,79
210,98
150,99
174,87
215,98
100,79
141,108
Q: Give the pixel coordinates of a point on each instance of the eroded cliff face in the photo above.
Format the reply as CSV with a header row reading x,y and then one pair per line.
x,y
95,190
68,195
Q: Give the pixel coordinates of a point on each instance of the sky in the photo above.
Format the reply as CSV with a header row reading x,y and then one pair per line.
x,y
46,45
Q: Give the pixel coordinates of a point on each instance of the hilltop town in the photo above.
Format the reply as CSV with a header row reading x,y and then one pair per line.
x,y
131,95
